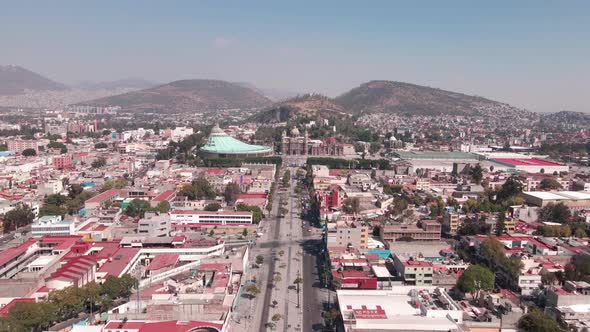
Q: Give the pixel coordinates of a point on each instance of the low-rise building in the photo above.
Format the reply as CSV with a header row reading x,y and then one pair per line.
x,y
156,225
205,218
52,225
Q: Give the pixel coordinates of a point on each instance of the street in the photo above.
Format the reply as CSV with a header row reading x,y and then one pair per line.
x,y
290,251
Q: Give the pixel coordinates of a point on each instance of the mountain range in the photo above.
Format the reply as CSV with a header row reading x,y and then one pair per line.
x,y
16,80
188,96
201,94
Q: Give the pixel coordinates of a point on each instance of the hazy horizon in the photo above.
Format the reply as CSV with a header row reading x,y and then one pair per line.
x,y
527,54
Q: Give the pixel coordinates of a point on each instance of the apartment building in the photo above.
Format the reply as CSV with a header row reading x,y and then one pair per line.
x,y
451,222
430,230
343,234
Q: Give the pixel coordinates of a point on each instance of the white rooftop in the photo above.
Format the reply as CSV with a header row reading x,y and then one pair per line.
x,y
558,195
381,271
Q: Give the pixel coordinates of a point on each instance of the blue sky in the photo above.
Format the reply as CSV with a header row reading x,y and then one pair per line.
x,y
533,54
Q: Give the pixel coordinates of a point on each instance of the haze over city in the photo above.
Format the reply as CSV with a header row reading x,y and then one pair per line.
x,y
528,54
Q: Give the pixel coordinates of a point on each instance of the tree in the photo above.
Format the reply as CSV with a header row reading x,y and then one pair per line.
x,y
331,316
212,207
29,153
580,233
536,321
21,215
475,278
351,205
75,190
29,316
245,232
550,184
259,259
55,199
374,147
276,317
257,214
511,187
286,178
232,192
492,249
200,188
99,162
163,207
476,173
137,208
252,289
57,145
100,145
555,213
51,210
501,224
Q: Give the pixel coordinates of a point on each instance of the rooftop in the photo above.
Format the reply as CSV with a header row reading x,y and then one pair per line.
x,y
525,162
220,142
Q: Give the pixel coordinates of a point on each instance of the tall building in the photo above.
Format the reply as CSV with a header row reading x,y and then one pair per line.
x,y
19,145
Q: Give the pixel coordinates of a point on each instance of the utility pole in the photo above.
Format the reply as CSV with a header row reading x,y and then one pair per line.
x,y
298,282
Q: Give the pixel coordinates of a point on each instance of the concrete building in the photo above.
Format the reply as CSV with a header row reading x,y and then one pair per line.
x,y
417,273
343,234
403,308
575,200
156,225
52,225
451,222
430,230
530,165
205,218
19,145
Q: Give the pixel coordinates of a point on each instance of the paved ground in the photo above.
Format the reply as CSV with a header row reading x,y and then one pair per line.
x,y
289,249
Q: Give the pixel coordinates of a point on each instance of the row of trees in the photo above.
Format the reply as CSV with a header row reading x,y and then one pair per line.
x,y
67,303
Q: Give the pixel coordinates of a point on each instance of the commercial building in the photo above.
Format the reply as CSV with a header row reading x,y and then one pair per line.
x,y
575,200
403,308
52,225
221,145
205,218
530,165
429,231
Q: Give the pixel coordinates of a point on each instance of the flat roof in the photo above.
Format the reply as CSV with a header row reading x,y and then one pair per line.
x,y
525,162
212,213
436,155
381,271
559,195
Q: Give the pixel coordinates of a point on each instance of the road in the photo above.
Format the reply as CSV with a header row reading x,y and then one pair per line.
x,y
290,251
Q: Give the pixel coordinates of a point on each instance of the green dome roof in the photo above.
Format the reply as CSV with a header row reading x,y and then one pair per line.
x,y
221,143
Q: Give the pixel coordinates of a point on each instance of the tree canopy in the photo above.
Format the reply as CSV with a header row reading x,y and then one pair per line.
x,y
475,278
29,152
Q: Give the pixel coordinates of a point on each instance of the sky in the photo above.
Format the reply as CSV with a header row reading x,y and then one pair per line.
x,y
531,54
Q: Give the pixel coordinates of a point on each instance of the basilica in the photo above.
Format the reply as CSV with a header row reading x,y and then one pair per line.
x,y
297,145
